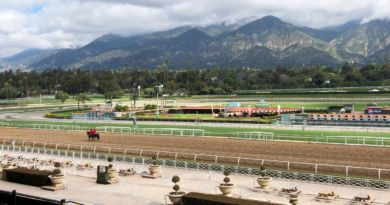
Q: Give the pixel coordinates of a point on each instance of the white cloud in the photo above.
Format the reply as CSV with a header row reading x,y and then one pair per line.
x,y
69,23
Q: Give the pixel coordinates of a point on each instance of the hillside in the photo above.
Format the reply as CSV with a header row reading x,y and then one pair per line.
x,y
250,42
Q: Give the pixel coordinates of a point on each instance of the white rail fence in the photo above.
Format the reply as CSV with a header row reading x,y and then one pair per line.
x,y
125,130
255,135
314,167
315,178
171,131
4,124
353,140
52,127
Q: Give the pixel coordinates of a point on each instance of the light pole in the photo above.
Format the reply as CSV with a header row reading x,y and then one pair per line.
x,y
158,89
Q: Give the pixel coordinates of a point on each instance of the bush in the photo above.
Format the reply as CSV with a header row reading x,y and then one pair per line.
x,y
176,188
118,107
125,108
226,179
209,199
175,179
262,168
28,177
148,107
57,165
154,106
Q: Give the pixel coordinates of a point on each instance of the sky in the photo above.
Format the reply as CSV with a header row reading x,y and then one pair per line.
x,y
53,24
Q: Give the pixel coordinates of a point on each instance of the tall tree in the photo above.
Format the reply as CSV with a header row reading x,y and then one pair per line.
x,y
82,97
61,95
134,98
188,77
6,84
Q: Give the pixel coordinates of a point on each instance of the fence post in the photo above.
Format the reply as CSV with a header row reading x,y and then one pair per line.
x,y
14,196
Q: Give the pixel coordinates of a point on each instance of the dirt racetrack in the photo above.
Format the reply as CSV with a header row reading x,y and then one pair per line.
x,y
358,156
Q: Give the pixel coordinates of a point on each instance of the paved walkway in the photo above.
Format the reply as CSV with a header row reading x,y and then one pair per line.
x,y
134,189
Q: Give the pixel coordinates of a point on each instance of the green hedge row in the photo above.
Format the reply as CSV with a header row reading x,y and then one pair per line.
x,y
149,107
28,176
51,115
208,199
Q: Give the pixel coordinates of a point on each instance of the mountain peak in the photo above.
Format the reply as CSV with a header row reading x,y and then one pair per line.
x,y
271,18
265,23
107,37
194,33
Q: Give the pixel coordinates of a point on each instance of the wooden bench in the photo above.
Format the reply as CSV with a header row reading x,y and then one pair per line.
x,y
127,172
364,199
329,199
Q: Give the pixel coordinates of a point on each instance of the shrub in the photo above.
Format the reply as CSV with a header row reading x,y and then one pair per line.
x,y
118,107
262,168
154,158
226,179
125,108
154,106
57,171
175,179
176,188
110,159
148,107
28,176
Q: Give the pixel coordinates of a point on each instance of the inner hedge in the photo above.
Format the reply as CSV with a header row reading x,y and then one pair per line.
x,y
28,176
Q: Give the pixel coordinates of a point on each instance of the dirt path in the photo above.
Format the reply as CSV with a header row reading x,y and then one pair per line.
x,y
287,151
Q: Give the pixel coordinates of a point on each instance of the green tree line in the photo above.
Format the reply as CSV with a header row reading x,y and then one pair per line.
x,y
114,83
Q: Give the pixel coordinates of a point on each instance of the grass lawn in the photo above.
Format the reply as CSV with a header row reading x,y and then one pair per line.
x,y
102,100
213,131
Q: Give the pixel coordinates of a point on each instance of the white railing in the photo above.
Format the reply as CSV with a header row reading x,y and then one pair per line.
x,y
52,127
125,130
314,167
4,124
307,177
172,131
255,135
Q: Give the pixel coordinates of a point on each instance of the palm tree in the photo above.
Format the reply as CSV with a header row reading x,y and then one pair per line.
x,y
21,86
188,80
134,97
6,84
136,69
82,97
166,61
25,79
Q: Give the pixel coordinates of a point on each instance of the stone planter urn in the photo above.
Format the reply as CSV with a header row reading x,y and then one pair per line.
x,y
154,170
176,198
264,182
57,179
226,189
294,200
112,173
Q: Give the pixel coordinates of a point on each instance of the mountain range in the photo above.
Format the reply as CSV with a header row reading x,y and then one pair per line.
x,y
250,42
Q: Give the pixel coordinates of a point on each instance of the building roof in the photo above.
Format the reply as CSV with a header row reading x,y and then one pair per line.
x,y
242,109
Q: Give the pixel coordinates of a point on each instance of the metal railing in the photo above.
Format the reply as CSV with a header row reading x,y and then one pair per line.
x,y
306,177
19,198
239,161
